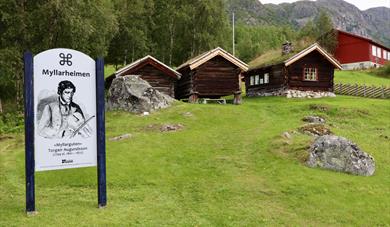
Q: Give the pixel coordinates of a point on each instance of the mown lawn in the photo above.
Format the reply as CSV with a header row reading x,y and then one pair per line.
x,y
229,166
360,77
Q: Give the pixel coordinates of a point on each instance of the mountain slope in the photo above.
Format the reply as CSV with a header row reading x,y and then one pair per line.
x,y
373,23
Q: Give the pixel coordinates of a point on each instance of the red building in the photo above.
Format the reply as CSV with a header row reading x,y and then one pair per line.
x,y
357,52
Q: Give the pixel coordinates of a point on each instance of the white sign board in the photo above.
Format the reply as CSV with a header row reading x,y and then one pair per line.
x,y
65,110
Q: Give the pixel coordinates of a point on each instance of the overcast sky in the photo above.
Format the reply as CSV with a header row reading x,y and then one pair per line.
x,y
361,4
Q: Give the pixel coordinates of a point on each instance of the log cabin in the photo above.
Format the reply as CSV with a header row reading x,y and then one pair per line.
x,y
311,69
157,74
213,74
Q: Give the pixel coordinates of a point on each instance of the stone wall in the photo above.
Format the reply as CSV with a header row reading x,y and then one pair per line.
x,y
308,94
290,93
262,93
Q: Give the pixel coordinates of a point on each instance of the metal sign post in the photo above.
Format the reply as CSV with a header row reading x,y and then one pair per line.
x,y
101,136
64,116
29,131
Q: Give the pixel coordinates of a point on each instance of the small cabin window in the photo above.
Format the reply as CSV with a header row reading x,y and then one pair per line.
x,y
261,81
310,74
374,50
388,55
252,82
257,79
266,78
379,52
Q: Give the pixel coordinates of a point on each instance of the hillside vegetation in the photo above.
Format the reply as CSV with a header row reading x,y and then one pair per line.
x,y
229,166
369,78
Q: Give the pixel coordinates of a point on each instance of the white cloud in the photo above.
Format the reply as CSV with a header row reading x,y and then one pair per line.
x,y
363,5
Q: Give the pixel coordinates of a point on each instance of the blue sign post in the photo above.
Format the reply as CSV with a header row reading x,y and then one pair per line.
x,y
29,131
64,127
101,134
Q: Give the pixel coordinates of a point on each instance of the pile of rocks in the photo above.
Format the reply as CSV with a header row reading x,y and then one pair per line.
x,y
308,94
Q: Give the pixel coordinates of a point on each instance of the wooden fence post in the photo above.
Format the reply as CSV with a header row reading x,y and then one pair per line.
x,y
383,92
364,90
340,88
357,90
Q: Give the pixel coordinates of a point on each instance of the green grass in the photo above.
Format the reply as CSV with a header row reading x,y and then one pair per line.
x,y
108,70
228,167
361,77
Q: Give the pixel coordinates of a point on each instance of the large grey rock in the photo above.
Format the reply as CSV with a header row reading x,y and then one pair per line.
x,y
338,153
314,119
131,93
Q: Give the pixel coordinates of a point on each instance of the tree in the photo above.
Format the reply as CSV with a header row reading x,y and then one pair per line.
x,y
133,39
326,34
42,24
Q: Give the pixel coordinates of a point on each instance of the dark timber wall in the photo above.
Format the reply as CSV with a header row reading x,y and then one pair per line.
x,y
312,60
215,78
277,80
155,77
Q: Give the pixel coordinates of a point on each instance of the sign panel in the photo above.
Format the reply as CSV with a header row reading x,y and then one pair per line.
x,y
65,110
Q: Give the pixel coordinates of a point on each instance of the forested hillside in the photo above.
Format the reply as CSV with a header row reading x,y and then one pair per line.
x,y
125,30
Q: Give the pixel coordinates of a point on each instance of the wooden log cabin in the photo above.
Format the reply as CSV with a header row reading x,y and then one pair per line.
x,y
157,74
311,69
213,74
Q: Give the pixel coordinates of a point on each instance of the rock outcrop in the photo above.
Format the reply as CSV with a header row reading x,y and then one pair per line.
x,y
131,93
339,154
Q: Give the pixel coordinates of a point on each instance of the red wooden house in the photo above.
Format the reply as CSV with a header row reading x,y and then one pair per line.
x,y
157,74
357,52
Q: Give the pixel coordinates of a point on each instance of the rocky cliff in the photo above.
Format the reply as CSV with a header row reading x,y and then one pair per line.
x,y
373,23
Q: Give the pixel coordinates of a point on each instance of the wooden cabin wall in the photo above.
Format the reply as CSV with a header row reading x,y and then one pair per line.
x,y
217,77
184,85
277,80
156,78
325,73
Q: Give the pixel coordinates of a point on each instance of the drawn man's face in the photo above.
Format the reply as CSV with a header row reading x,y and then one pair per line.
x,y
67,95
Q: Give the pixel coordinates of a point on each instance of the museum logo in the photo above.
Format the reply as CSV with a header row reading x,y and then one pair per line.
x,y
65,59
64,161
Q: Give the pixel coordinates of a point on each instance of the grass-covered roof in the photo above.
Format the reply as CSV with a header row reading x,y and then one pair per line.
x,y
275,57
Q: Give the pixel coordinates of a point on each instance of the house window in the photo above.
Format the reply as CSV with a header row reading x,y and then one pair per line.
x,y
310,74
379,52
266,78
252,82
388,55
374,50
257,79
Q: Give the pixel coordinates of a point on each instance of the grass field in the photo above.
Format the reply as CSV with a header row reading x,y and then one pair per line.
x,y
229,166
361,77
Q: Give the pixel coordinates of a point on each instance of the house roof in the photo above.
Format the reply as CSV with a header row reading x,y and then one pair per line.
x,y
276,57
364,38
310,49
151,60
201,59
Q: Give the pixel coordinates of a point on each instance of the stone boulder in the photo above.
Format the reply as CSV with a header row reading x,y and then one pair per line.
x,y
131,93
314,120
339,154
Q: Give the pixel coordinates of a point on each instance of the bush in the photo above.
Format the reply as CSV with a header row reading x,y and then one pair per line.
x,y
11,123
383,71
